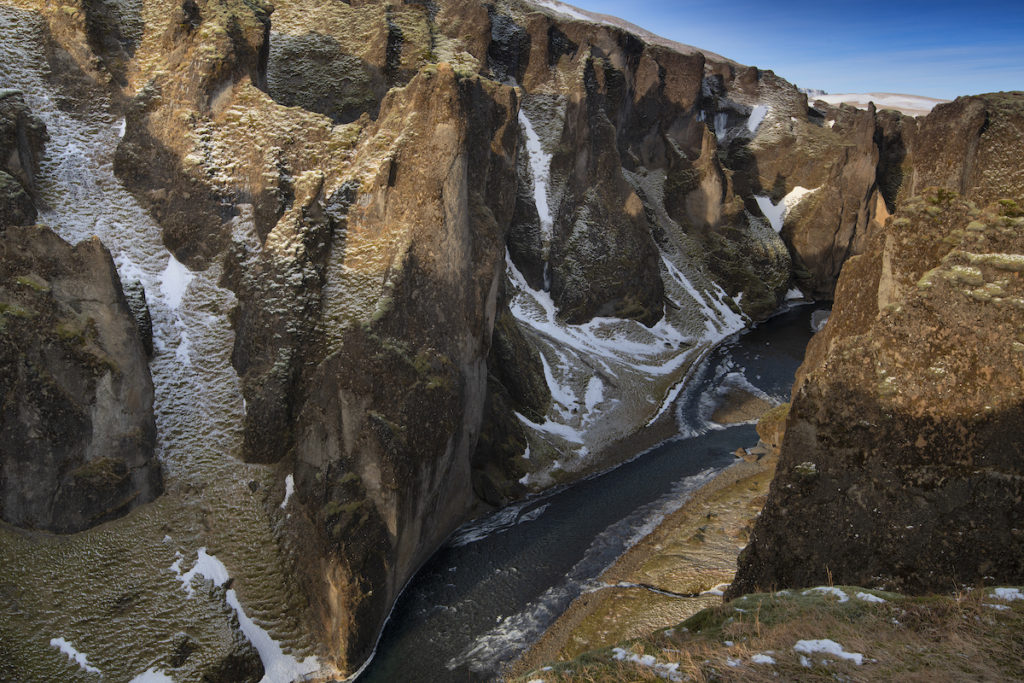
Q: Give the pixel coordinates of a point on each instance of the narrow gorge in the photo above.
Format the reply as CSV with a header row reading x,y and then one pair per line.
x,y
290,292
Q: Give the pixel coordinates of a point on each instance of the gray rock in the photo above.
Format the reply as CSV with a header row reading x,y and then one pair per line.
x,y
76,421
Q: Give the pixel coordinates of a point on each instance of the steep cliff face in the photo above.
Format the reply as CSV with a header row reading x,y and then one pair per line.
x,y
77,428
900,464
471,246
22,136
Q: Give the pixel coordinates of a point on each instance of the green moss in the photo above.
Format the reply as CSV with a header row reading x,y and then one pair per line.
x,y
349,478
33,282
14,310
103,472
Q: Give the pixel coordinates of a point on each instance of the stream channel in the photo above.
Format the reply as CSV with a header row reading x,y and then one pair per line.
x,y
501,580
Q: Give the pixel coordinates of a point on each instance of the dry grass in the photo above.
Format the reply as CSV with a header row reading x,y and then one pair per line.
x,y
956,637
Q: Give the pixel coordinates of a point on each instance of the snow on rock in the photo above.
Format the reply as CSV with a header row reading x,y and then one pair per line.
x,y
757,115
829,590
581,361
1007,594
206,566
868,597
668,671
776,213
540,168
278,667
595,393
828,647
174,281
73,654
289,489
152,675
794,294
563,9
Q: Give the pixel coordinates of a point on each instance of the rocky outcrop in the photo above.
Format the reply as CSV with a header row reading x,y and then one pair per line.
x,y
22,136
970,146
77,422
900,465
908,404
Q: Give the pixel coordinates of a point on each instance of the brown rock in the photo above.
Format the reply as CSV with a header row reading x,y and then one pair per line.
x,y
901,462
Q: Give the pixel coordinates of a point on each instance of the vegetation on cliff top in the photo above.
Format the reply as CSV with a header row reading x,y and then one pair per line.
x,y
825,633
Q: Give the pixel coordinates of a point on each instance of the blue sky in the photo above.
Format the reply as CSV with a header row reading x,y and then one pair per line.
x,y
938,49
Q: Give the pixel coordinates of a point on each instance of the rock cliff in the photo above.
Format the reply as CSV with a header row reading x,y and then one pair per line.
x,y
900,462
470,248
77,424
22,136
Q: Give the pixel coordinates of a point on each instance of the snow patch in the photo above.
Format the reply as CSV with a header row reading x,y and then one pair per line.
x,y
73,654
289,489
174,281
828,647
828,590
717,590
669,671
868,597
563,9
776,213
152,675
762,659
540,168
595,393
757,115
1007,594
278,667
794,294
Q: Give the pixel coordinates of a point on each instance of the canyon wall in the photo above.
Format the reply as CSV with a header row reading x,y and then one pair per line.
x,y
900,462
471,247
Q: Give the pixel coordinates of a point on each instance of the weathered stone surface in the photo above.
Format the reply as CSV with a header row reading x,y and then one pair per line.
x,y
388,419
901,461
22,136
970,146
358,170
77,423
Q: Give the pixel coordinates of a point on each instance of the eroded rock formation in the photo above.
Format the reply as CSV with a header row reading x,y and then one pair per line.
x,y
900,464
77,425
382,187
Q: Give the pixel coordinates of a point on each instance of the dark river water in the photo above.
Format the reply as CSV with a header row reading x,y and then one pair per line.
x,y
503,579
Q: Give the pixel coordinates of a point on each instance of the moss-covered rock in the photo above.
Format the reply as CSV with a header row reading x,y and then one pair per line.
x,y
77,414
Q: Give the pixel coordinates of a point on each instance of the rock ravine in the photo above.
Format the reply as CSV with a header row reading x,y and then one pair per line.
x,y
407,262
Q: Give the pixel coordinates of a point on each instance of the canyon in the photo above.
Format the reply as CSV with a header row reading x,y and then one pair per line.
x,y
289,292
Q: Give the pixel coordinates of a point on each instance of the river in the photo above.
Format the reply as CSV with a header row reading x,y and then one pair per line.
x,y
501,580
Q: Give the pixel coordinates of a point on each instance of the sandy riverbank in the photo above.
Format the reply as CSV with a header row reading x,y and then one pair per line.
x,y
658,582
